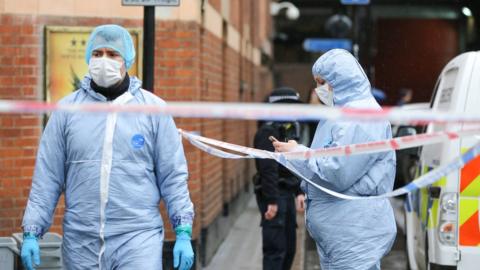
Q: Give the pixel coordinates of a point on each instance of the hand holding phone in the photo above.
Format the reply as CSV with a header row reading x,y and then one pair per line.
x,y
272,139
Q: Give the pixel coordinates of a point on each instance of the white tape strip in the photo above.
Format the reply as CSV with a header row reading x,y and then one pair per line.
x,y
250,111
214,151
353,149
421,182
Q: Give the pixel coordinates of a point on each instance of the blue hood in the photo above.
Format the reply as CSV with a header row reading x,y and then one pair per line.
x,y
343,72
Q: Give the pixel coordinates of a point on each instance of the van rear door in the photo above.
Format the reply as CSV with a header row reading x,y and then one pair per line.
x,y
469,188
450,96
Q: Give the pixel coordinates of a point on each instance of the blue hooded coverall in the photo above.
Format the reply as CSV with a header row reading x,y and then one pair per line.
x,y
350,234
113,169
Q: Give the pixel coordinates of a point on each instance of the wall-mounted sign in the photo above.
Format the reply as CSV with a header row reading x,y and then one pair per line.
x,y
65,64
151,2
355,2
326,44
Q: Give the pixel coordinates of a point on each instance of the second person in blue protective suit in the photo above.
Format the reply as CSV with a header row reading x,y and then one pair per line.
x,y
113,169
350,234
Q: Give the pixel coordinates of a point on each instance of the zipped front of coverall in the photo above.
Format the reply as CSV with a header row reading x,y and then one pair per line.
x,y
106,167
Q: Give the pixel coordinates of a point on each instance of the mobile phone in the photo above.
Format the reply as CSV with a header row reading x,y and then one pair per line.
x,y
273,139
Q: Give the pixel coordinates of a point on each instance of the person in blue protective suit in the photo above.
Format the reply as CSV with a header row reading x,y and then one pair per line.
x,y
113,169
350,234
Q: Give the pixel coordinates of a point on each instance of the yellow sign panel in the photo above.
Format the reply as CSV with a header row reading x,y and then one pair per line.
x,y
65,59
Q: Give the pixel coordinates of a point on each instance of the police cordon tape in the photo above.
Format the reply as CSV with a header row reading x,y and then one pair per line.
x,y
249,111
282,158
279,112
353,149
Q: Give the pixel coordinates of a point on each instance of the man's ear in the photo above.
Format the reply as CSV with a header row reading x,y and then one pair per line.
x,y
123,69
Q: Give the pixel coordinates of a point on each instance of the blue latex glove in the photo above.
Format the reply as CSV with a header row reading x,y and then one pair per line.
x,y
30,249
183,252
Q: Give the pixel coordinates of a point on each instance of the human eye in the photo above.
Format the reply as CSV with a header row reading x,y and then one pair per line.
x,y
113,54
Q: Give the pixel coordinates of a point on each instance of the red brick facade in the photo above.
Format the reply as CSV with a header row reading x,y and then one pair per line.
x,y
191,64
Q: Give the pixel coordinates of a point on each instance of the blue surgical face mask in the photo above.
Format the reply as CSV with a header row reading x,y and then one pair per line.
x,y
324,94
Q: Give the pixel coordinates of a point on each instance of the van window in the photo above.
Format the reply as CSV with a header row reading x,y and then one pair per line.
x,y
435,90
445,94
445,97
442,98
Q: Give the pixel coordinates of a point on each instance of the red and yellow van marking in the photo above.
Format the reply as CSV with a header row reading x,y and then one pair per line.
x,y
469,227
470,179
469,222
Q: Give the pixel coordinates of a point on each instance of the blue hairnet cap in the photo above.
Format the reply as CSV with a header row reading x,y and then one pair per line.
x,y
114,37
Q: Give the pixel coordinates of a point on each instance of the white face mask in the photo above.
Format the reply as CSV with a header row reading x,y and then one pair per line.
x,y
105,72
325,95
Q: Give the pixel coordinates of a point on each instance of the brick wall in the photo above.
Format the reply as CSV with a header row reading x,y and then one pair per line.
x,y
211,90
21,77
216,4
177,77
233,130
19,134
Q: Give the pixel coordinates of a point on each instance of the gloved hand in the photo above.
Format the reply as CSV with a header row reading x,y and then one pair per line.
x,y
30,249
183,252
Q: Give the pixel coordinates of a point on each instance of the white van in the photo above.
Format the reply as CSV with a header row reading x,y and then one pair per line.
x,y
442,220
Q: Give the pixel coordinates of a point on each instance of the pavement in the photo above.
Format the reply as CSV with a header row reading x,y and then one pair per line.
x,y
242,248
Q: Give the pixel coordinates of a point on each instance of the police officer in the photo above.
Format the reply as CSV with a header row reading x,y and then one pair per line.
x,y
277,190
